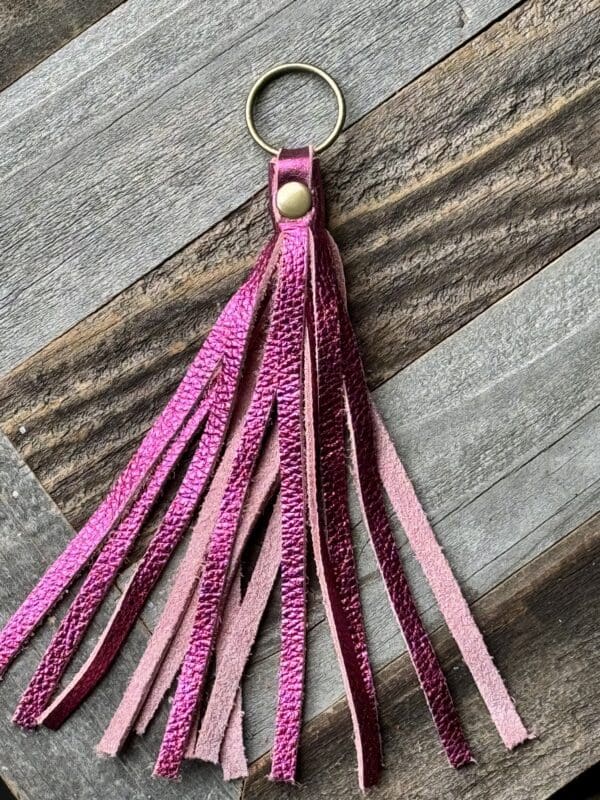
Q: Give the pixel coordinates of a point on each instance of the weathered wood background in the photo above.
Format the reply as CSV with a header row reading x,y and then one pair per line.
x,y
465,196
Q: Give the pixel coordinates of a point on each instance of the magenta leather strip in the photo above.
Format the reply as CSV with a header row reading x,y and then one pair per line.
x,y
261,489
167,646
446,590
363,709
332,455
148,570
210,595
288,719
438,573
424,659
239,643
175,522
69,564
100,578
332,541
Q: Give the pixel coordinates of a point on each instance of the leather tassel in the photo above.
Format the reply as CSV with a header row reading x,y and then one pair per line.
x,y
274,413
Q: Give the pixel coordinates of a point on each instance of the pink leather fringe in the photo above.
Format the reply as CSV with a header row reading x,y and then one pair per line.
x,y
270,406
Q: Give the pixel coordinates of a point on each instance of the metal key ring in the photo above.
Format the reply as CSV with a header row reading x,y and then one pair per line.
x,y
284,69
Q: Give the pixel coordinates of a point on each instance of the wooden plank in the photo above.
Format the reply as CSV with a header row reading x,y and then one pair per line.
x,y
111,32
492,192
542,624
499,426
126,162
63,766
31,31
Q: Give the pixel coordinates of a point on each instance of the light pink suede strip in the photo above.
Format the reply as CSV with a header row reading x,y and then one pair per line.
x,y
238,644
233,755
446,590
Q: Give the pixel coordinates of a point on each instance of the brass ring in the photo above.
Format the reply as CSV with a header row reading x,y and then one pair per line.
x,y
284,69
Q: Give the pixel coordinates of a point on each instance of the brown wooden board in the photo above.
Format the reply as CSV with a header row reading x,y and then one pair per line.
x,y
440,209
30,30
542,623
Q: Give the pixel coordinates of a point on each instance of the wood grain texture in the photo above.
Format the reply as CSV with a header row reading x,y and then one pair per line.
x,y
542,624
499,424
63,766
499,427
30,30
438,215
127,161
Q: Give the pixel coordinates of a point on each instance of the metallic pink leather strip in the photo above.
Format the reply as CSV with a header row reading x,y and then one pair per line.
x,y
332,456
332,541
166,648
291,321
100,578
438,572
69,564
446,589
427,666
175,521
212,583
239,643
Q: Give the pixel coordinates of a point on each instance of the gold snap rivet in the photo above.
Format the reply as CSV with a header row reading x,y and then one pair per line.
x,y
293,200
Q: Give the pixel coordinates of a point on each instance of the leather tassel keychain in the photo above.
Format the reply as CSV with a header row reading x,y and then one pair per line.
x,y
273,414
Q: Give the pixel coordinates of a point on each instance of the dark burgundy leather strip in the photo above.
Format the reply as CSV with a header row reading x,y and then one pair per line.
x,y
427,666
332,541
292,496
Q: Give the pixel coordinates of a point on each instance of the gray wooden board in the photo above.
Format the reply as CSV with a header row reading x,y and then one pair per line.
x,y
32,29
63,766
126,149
500,428
493,190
